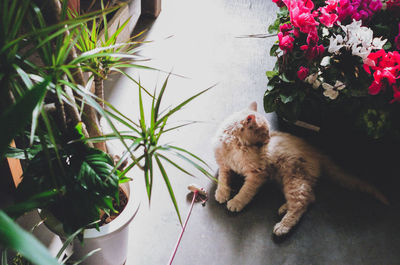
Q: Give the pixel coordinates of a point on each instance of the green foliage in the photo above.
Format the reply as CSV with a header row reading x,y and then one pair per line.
x,y
12,236
307,99
144,138
63,174
100,51
20,111
21,260
81,176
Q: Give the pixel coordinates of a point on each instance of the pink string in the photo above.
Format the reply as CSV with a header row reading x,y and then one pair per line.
x,y
183,229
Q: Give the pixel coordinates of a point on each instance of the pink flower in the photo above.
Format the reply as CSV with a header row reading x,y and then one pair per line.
x,y
397,40
328,14
327,19
285,28
300,14
285,42
358,9
302,73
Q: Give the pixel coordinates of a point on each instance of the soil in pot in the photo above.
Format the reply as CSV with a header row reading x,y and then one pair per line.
x,y
123,201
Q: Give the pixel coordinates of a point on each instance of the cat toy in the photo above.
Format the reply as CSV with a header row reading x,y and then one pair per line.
x,y
199,195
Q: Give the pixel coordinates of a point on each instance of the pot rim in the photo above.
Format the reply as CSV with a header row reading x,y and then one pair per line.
x,y
121,220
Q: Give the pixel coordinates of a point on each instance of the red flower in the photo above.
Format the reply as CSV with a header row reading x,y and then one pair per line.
x,y
397,40
312,49
375,88
394,6
285,42
386,71
302,73
279,3
396,94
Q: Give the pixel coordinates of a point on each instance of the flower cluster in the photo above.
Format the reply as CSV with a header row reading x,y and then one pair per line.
x,y
362,10
386,70
358,39
334,53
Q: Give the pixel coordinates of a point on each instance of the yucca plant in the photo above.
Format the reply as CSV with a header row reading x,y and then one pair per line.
x,y
144,145
47,107
102,54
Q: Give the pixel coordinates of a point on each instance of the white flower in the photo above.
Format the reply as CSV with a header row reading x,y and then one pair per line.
x,y
378,43
329,91
325,61
332,92
339,85
325,32
335,44
316,84
311,78
360,40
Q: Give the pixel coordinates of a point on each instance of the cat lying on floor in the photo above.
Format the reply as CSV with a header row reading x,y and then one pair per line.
x,y
245,145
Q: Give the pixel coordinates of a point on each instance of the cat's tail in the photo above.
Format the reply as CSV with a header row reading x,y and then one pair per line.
x,y
346,180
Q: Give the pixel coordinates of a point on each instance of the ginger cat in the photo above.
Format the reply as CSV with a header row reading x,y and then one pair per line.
x,y
245,145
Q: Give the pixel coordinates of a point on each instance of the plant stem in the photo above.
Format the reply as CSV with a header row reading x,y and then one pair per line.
x,y
91,126
99,89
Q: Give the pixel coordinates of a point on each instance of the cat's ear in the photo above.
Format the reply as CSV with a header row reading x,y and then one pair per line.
x,y
253,106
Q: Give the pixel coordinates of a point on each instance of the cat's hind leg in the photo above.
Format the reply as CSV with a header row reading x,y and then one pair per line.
x,y
299,195
223,192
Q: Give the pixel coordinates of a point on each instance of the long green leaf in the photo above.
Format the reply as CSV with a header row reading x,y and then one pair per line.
x,y
36,201
67,242
4,257
189,153
142,118
168,184
181,105
175,165
14,237
87,256
160,95
196,165
147,175
21,111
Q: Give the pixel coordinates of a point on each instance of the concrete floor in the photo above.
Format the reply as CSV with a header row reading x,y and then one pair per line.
x,y
198,39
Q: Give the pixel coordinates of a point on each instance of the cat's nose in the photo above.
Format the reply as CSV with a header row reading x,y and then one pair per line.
x,y
251,118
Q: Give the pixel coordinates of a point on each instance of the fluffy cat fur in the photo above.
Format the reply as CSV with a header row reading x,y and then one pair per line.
x,y
245,145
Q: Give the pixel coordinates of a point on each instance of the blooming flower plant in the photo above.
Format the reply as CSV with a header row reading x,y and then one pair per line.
x,y
337,56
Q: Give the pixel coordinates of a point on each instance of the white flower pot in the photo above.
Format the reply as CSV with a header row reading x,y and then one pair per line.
x,y
112,238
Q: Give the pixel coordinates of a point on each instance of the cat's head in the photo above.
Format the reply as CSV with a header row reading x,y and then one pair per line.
x,y
253,127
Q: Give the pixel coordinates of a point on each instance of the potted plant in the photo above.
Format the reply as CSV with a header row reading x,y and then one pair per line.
x,y
52,116
337,67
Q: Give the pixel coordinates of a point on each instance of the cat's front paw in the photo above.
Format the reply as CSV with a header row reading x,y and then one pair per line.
x,y
281,229
222,195
283,209
235,205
